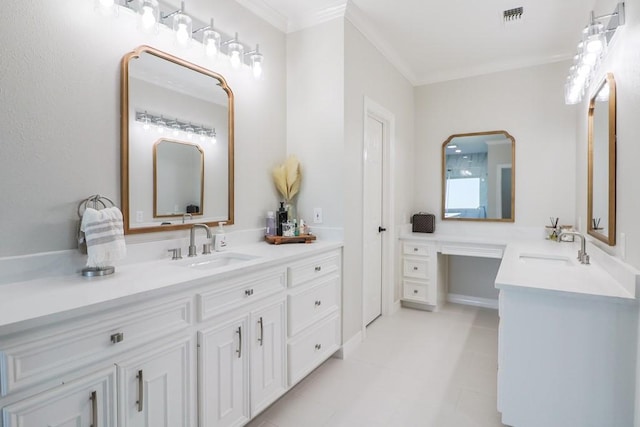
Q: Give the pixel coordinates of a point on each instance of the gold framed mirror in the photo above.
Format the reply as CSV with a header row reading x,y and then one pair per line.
x,y
478,177
167,98
601,194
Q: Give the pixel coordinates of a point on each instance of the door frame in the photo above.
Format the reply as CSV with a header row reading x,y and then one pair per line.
x,y
388,120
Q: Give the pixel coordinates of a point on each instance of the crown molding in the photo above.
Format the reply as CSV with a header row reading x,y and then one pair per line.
x,y
317,17
358,19
266,12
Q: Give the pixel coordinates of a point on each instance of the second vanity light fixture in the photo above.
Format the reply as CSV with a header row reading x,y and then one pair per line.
x,y
591,49
151,17
175,126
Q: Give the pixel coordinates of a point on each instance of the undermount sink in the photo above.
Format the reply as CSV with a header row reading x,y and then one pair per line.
x,y
210,262
546,259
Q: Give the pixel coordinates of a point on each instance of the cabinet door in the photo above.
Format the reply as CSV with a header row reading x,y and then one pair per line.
x,y
89,401
155,389
223,373
268,341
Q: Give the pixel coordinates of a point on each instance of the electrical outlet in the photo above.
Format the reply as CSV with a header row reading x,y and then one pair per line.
x,y
317,215
139,216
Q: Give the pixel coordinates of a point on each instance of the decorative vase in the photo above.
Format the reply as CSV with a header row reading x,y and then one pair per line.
x,y
290,207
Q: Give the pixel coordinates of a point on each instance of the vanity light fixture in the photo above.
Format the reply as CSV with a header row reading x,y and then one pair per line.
x,y
255,62
591,49
177,126
151,17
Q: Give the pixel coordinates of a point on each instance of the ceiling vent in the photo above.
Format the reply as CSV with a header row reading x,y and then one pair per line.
x,y
514,15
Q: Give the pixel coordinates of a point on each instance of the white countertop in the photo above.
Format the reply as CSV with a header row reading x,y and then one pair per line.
x,y
31,299
569,278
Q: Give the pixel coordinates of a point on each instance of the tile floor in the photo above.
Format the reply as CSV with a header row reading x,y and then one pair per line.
x,y
415,369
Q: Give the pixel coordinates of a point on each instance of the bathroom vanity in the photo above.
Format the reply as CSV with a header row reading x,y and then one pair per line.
x,y
208,341
567,332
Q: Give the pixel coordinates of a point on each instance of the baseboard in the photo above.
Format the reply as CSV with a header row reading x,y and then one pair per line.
x,y
475,301
349,347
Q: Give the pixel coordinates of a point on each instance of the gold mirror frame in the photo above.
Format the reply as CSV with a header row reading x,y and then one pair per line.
x,y
513,176
124,134
156,180
610,237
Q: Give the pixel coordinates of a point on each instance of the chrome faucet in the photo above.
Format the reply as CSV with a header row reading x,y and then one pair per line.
x,y
583,257
185,216
192,237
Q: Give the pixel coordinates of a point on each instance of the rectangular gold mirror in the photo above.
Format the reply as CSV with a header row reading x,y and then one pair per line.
x,y
601,196
478,177
165,98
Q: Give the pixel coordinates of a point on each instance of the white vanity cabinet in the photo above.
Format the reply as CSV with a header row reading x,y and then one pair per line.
x,y
314,309
423,273
89,401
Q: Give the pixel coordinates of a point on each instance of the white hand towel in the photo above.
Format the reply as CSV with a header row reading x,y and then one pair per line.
x,y
104,234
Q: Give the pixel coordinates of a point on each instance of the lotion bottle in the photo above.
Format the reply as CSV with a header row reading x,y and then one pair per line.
x,y
220,238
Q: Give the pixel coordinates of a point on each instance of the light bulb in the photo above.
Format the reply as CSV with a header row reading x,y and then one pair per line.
x,y
257,69
235,59
147,19
182,36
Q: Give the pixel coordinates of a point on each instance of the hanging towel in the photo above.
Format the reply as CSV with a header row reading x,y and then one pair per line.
x,y
104,235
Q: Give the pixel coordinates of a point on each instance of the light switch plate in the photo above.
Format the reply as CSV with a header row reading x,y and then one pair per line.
x,y
317,215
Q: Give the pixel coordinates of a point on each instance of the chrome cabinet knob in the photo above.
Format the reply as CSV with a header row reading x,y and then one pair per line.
x,y
117,337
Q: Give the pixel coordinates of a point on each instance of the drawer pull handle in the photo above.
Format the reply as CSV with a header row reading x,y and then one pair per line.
x,y
318,346
94,408
140,391
117,337
261,338
239,350
415,249
415,291
318,303
415,268
318,268
248,292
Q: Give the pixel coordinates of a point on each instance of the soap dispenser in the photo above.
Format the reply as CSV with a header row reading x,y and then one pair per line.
x,y
219,238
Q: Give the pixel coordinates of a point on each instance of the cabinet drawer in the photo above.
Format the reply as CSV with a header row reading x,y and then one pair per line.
x,y
54,352
312,348
235,293
314,267
415,291
416,268
310,304
416,249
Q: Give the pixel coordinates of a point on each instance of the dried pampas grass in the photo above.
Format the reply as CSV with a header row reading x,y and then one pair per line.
x,y
287,178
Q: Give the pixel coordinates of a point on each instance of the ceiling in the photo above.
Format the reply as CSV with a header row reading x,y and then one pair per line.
x,y
430,41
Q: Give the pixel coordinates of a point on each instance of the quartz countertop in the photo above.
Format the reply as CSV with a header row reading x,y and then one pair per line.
x,y
46,296
534,264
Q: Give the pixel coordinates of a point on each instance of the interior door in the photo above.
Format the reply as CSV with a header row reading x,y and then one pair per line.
x,y
372,219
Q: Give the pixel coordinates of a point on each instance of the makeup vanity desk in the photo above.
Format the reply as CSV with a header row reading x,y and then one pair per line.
x,y
567,333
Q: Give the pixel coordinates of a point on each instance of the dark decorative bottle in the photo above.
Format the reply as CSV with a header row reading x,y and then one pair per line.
x,y
281,217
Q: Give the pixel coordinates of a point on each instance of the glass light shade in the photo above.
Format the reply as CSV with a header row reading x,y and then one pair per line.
x,y
211,43
594,37
148,15
572,93
212,135
203,135
256,65
146,122
236,53
183,28
160,125
176,129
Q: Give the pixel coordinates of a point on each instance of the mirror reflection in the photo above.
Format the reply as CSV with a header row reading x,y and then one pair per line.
x,y
478,182
602,162
190,108
178,178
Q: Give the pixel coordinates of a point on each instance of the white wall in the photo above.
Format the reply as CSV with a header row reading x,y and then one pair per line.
x,y
369,74
60,85
529,104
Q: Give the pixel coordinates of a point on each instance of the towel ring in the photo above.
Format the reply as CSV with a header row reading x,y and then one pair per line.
x,y
96,202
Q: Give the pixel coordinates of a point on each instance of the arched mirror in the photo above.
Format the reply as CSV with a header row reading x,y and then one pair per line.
x,y
601,198
177,143
478,177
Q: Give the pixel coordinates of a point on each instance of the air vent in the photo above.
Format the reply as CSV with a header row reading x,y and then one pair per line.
x,y
512,15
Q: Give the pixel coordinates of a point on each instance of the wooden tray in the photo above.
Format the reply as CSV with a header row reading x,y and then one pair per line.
x,y
303,238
